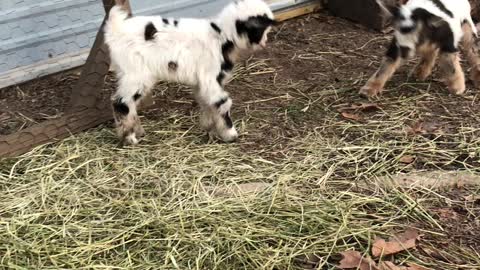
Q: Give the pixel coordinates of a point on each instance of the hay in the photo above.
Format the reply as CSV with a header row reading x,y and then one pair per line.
x,y
81,203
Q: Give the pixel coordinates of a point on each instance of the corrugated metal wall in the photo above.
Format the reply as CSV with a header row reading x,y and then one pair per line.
x,y
40,37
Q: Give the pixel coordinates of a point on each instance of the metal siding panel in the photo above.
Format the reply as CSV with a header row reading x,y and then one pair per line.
x,y
40,37
40,34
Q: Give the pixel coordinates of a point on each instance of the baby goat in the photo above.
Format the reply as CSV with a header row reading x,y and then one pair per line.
x,y
196,52
430,28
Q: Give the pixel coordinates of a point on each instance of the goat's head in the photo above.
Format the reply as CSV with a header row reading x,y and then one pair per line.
x,y
247,23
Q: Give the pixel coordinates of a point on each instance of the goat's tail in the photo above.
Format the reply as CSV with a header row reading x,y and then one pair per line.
x,y
118,14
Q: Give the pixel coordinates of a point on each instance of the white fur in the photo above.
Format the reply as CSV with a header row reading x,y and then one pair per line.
x,y
193,45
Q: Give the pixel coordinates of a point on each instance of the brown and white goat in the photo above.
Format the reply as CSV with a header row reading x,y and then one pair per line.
x,y
431,29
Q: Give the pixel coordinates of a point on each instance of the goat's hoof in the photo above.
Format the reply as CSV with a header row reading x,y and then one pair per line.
x,y
456,86
229,135
422,74
369,92
457,91
130,139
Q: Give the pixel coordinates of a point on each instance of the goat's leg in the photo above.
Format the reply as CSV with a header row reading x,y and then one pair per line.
x,y
390,63
125,104
215,107
471,49
428,53
452,71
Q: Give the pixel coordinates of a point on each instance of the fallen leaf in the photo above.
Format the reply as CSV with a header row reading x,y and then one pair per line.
x,y
407,159
446,213
396,244
472,198
423,128
351,116
390,266
354,260
409,234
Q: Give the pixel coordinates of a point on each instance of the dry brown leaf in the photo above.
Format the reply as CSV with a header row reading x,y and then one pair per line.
x,y
354,260
423,128
351,116
390,266
396,244
446,213
407,159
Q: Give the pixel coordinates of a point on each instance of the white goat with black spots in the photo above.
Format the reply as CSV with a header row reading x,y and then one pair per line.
x,y
430,28
196,52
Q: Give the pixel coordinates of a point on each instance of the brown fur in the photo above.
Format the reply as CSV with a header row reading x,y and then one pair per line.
x,y
471,49
428,53
376,83
453,73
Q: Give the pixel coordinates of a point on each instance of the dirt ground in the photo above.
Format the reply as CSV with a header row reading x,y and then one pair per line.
x,y
308,80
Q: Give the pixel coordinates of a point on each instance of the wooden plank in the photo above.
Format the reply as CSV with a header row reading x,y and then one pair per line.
x,y
51,130
290,13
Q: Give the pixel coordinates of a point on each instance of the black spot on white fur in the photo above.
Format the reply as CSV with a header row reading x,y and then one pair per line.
x,y
227,49
120,107
435,30
220,77
219,103
175,23
216,28
165,21
150,31
393,51
442,7
228,120
254,27
227,63
172,66
137,96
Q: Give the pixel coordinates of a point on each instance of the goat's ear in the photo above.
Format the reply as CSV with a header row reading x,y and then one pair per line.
x,y
391,7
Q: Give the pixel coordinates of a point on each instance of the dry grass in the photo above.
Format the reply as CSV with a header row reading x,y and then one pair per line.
x,y
301,185
178,203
